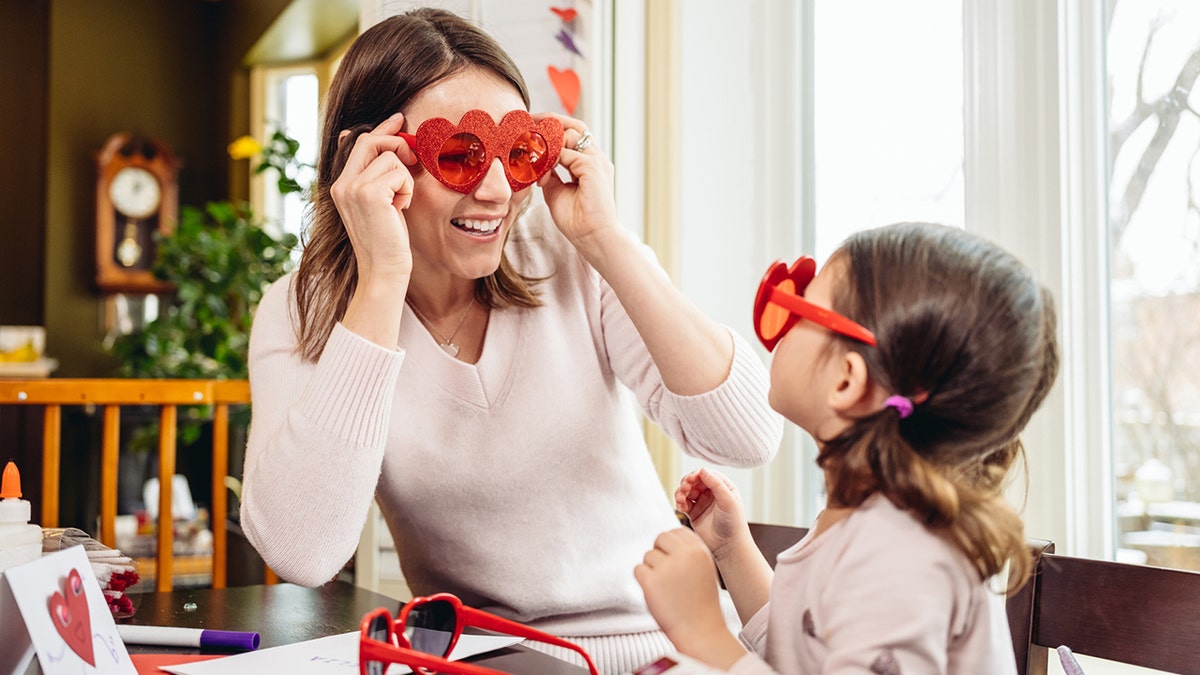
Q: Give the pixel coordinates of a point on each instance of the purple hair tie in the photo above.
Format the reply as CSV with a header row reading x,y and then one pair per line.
x,y
901,404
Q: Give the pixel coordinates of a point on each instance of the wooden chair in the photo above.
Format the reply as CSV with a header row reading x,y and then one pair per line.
x,y
1132,614
52,394
1019,608
775,539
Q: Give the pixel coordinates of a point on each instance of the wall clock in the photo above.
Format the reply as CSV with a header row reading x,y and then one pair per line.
x,y
137,194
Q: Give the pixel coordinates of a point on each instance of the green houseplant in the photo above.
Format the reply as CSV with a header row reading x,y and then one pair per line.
x,y
219,260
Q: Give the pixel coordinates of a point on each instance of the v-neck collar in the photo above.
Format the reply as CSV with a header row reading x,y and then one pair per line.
x,y
480,384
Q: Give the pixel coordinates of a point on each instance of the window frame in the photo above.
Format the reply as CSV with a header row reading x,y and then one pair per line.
x,y
1037,183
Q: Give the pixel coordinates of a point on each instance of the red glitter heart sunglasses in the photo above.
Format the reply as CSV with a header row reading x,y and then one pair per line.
x,y
459,155
424,634
780,304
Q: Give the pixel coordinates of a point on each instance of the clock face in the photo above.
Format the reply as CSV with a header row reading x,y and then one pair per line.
x,y
135,192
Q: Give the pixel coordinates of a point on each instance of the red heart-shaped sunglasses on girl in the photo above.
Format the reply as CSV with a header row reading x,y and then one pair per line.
x,y
459,155
424,634
780,303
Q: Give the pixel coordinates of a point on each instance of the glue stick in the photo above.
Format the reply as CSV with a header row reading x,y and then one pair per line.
x,y
20,542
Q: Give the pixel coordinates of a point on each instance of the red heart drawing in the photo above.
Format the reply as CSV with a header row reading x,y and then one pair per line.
x,y
566,83
566,14
71,618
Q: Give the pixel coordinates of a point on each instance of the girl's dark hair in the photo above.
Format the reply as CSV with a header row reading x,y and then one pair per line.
x,y
967,334
383,70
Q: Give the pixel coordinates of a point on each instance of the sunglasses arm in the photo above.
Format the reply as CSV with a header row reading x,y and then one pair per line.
x,y
411,139
487,621
832,320
378,651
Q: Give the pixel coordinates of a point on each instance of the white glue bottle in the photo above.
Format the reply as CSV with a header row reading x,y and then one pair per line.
x,y
20,542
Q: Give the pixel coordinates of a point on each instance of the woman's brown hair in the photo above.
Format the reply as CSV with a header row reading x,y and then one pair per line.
x,y
387,66
968,335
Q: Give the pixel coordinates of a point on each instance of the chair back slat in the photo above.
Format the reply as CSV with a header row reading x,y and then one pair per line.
x,y
775,539
165,568
109,450
53,393
1132,614
51,463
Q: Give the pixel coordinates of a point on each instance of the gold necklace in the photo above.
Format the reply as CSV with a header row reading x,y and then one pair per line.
x,y
446,343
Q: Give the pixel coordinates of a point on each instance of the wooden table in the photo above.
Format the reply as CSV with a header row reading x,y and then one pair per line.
x,y
285,613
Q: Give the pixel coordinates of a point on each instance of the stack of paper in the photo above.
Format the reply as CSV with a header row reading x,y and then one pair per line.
x,y
114,570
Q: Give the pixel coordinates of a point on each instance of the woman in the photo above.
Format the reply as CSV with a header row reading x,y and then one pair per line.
x,y
459,352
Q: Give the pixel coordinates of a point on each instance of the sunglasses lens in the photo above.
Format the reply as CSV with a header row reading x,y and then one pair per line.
x,y
462,159
774,318
378,630
527,159
430,627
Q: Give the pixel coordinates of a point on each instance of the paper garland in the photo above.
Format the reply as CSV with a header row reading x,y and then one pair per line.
x,y
566,81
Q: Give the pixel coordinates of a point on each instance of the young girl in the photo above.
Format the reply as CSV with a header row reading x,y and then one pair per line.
x,y
914,359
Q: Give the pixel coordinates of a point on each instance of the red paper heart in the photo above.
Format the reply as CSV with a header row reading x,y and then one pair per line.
x,y
566,83
71,618
566,14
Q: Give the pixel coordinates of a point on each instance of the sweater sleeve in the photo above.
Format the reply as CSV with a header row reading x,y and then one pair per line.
x,y
732,424
316,442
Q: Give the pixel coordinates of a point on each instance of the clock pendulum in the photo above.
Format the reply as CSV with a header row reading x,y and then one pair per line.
x,y
129,252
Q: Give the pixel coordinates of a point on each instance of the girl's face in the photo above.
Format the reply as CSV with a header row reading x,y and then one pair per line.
x,y
455,235
805,370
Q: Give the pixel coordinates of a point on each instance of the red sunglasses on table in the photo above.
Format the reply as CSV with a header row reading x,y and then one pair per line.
x,y
780,304
425,632
459,155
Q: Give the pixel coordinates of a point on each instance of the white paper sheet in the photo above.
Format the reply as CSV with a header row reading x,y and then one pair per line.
x,y
322,656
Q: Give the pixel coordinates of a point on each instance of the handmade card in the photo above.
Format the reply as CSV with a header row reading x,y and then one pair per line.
x,y
54,606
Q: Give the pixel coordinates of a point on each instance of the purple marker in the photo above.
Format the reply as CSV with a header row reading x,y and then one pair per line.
x,y
170,636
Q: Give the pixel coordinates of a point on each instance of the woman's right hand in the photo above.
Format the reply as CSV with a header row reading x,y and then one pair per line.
x,y
712,504
370,194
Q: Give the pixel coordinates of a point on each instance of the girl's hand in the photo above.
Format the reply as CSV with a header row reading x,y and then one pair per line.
x,y
680,583
370,194
714,507
585,206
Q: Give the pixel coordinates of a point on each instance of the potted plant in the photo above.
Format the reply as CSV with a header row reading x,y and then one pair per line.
x,y
219,259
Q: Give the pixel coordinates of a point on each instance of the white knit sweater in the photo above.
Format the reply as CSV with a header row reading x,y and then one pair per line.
x,y
521,483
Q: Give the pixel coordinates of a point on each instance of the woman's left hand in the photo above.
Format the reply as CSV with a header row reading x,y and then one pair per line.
x,y
584,206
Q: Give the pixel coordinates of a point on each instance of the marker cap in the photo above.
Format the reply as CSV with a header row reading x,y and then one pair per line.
x,y
229,639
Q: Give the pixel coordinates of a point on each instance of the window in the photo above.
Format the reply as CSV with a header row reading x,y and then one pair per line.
x,y
288,100
1153,51
796,132
888,131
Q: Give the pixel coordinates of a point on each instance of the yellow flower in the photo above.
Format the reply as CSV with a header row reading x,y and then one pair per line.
x,y
244,148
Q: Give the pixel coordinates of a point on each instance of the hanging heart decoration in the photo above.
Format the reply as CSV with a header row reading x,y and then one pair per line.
x,y
69,613
567,14
567,41
566,84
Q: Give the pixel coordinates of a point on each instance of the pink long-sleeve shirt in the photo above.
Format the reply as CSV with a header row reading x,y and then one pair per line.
x,y
878,593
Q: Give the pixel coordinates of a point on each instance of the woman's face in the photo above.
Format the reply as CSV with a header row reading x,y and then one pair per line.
x,y
455,235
